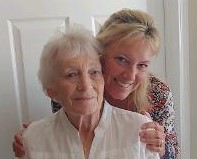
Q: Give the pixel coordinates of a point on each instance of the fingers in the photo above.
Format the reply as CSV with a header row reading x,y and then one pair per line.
x,y
25,125
152,125
18,138
143,112
18,150
17,144
160,149
152,130
154,142
153,135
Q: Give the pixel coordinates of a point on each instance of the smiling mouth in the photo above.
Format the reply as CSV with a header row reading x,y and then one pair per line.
x,y
122,84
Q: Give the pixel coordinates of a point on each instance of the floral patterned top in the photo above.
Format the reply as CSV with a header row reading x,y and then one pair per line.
x,y
162,111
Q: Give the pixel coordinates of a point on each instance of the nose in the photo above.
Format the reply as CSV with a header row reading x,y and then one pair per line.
x,y
84,83
130,73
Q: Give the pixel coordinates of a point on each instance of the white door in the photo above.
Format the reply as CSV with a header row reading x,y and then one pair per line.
x,y
25,26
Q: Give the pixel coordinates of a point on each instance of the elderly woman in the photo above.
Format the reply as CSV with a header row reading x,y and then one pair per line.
x,y
86,126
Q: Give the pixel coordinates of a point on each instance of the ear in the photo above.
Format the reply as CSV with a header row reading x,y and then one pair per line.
x,y
51,94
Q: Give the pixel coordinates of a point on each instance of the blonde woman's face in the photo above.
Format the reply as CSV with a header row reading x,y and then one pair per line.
x,y
125,65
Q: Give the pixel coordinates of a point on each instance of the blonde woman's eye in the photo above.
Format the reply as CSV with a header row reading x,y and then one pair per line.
x,y
143,66
121,59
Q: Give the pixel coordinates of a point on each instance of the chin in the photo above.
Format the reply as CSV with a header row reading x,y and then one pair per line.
x,y
120,96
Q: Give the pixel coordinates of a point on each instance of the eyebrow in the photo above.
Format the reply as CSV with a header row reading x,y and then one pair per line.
x,y
146,61
130,59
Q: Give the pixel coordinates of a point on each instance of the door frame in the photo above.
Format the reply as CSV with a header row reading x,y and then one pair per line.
x,y
176,41
177,52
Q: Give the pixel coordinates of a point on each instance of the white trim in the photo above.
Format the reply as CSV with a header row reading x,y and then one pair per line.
x,y
177,66
156,9
185,80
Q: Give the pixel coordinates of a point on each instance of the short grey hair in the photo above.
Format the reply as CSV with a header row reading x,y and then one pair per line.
x,y
73,42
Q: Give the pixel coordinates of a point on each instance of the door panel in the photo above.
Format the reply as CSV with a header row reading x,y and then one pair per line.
x,y
156,9
27,38
25,26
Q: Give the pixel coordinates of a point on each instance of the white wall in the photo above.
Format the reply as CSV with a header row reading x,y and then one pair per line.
x,y
193,75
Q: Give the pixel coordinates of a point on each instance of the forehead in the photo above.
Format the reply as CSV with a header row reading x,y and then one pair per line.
x,y
134,41
79,61
130,46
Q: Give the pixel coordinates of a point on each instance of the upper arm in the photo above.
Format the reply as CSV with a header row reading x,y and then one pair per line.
x,y
163,112
172,148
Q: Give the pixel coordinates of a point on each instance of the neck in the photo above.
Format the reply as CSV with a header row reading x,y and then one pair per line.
x,y
126,103
86,125
87,122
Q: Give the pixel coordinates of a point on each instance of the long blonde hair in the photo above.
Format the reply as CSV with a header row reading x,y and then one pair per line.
x,y
126,24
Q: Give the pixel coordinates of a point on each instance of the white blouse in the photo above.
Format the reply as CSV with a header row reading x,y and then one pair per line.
x,y
116,137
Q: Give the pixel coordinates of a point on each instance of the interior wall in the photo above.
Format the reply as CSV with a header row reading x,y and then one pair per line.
x,y
193,74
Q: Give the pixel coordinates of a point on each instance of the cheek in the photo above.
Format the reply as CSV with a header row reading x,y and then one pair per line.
x,y
99,88
141,76
111,68
106,68
65,92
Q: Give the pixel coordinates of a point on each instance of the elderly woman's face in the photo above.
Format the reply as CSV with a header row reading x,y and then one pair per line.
x,y
79,84
125,66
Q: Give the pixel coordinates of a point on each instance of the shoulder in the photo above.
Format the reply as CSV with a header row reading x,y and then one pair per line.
x,y
161,100
128,117
159,92
40,128
124,122
157,84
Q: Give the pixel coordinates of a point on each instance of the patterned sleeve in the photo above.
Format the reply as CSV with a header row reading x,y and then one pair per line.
x,y
171,145
163,112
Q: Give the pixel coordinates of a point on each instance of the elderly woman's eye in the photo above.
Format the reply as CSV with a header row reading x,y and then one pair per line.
x,y
95,73
71,74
